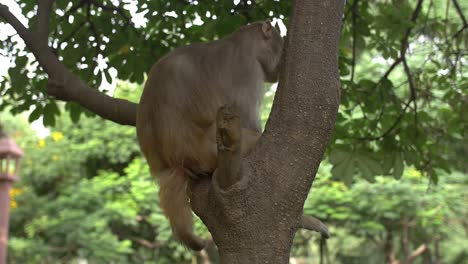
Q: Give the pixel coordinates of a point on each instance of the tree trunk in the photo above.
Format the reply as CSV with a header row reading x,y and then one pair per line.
x,y
253,207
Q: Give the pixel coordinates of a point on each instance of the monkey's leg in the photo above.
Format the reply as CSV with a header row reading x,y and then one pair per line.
x,y
175,204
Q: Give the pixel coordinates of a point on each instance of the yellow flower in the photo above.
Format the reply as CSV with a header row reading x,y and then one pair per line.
x,y
413,173
13,193
55,157
41,143
57,136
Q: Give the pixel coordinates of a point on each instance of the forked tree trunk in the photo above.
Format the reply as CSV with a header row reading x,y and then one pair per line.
x,y
254,215
253,206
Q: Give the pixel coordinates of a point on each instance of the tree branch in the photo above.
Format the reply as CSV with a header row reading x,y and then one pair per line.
x,y
460,12
404,240
402,58
109,8
417,252
412,87
145,243
43,19
65,85
22,31
462,17
354,16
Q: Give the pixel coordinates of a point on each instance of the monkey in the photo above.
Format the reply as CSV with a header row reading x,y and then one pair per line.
x,y
176,114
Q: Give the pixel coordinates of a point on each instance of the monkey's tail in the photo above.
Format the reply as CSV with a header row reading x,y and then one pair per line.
x,y
174,202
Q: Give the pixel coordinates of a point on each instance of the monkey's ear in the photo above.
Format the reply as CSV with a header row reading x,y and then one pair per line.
x,y
267,29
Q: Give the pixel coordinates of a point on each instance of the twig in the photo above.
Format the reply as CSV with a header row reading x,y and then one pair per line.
x,y
412,90
391,128
417,252
354,15
400,59
109,8
145,243
460,12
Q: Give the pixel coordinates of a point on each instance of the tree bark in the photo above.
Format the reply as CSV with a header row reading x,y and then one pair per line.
x,y
254,219
63,84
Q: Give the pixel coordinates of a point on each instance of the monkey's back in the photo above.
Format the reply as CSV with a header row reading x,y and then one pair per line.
x,y
182,95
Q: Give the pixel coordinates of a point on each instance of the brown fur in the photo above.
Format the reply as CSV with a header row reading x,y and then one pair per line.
x,y
177,111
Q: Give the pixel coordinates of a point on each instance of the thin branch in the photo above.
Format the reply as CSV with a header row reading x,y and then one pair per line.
x,y
109,8
345,16
43,19
392,127
460,31
416,253
462,17
460,12
412,91
145,243
400,59
353,66
72,33
404,240
97,50
65,85
414,16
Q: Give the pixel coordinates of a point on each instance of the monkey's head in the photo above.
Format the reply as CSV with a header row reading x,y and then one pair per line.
x,y
269,50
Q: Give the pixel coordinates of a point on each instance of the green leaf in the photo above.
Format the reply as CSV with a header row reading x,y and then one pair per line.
x,y
50,110
107,76
35,114
75,112
344,170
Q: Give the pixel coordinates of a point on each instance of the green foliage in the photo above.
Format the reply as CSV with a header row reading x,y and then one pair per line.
x,y
86,192
389,117
366,213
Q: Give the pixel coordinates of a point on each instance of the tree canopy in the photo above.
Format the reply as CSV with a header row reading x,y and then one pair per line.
x,y
404,88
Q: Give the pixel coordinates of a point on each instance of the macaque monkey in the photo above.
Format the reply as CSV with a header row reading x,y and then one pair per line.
x,y
177,112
